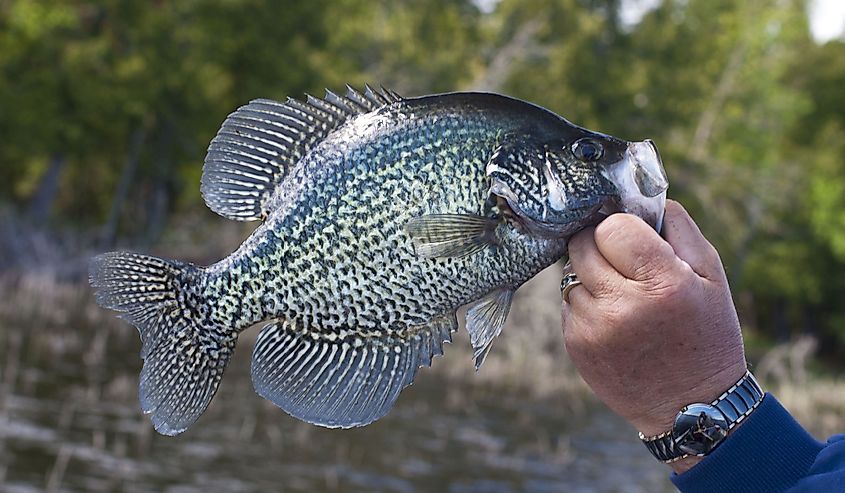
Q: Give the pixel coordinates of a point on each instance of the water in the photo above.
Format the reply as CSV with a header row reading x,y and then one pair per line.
x,y
70,421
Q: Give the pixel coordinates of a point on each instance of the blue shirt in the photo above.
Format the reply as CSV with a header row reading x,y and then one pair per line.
x,y
769,452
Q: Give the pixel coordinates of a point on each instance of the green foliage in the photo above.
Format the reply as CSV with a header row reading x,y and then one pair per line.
x,y
747,110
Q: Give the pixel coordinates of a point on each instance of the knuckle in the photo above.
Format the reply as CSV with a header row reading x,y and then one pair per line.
x,y
646,268
617,313
678,283
605,287
667,290
652,264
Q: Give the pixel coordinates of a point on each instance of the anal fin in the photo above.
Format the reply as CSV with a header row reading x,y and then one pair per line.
x,y
342,382
451,235
485,320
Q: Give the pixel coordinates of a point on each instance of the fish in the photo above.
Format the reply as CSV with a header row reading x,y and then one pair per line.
x,y
380,216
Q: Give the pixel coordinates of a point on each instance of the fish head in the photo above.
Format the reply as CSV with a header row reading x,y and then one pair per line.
x,y
559,187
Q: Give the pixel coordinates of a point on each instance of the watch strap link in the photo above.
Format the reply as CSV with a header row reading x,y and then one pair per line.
x,y
663,446
735,404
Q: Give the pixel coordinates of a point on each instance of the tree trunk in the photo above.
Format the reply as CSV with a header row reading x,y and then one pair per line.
x,y
158,208
108,234
780,321
48,188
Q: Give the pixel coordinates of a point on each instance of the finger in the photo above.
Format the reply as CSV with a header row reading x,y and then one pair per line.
x,y
633,248
689,244
594,272
579,299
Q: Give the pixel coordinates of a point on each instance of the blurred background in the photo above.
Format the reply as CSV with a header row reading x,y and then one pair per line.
x,y
106,109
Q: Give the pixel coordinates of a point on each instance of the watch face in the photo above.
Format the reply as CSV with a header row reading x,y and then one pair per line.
x,y
699,428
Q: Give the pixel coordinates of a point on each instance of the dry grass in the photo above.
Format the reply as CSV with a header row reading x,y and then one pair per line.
x,y
47,314
817,401
529,355
68,396
68,389
819,405
43,317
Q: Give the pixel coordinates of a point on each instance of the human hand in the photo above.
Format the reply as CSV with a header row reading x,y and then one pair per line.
x,y
652,327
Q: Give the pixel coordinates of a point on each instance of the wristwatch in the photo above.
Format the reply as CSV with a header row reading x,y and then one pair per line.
x,y
699,428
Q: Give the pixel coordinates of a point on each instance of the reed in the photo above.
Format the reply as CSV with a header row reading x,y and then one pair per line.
x,y
816,401
69,370
45,319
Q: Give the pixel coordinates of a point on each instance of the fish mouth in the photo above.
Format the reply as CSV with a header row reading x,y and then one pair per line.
x,y
641,182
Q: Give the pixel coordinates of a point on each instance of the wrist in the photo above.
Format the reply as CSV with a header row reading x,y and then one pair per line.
x,y
683,465
700,427
769,451
661,417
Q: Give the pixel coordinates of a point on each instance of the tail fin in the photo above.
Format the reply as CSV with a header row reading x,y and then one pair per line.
x,y
184,353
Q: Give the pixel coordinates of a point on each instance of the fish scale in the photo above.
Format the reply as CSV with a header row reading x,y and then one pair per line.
x,y
310,289
381,217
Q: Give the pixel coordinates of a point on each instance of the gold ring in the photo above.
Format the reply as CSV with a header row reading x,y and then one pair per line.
x,y
567,284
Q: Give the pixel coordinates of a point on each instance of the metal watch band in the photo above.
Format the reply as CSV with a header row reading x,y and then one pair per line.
x,y
735,404
663,446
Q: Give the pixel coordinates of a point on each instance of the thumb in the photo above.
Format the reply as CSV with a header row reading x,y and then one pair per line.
x,y
633,247
689,244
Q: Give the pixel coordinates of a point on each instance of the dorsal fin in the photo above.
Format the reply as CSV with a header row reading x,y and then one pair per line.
x,y
258,145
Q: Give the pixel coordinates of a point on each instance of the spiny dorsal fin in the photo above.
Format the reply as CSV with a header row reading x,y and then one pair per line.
x,y
485,320
258,145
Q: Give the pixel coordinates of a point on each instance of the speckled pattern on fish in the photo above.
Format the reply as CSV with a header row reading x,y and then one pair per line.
x,y
381,217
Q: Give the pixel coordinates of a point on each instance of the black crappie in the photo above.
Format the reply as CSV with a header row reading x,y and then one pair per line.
x,y
381,217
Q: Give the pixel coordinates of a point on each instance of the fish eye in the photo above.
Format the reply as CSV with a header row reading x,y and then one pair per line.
x,y
587,149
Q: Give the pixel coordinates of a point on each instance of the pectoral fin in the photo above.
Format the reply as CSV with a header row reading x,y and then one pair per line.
x,y
451,235
485,320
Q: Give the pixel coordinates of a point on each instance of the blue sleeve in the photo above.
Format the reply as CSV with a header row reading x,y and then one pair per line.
x,y
828,471
770,452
